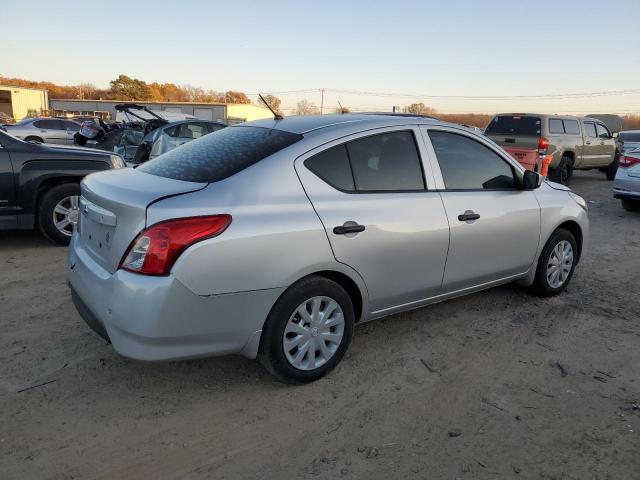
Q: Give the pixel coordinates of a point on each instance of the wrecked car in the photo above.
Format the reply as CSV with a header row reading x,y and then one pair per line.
x,y
173,135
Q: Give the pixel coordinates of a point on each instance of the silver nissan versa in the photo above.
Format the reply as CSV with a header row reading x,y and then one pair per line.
x,y
273,238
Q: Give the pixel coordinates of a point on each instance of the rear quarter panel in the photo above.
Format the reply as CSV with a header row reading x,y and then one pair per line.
x,y
275,237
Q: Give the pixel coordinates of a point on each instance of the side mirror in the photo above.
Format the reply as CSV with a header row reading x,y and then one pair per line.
x,y
530,180
614,135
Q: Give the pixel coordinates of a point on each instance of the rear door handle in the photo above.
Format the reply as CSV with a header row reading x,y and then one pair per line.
x,y
344,229
468,215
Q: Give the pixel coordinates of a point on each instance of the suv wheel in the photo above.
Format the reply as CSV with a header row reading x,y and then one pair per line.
x,y
58,212
308,331
556,264
562,173
630,205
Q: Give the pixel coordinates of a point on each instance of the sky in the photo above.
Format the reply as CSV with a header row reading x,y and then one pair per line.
x,y
410,51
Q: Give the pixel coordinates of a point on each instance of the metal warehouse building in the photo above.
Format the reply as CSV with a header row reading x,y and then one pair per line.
x,y
230,113
18,102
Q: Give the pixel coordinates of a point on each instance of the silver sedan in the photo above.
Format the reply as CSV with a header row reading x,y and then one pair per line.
x,y
45,130
274,238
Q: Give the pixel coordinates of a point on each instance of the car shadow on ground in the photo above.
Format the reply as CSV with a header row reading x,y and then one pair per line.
x,y
24,240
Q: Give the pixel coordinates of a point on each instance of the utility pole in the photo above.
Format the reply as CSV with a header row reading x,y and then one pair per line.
x,y
322,101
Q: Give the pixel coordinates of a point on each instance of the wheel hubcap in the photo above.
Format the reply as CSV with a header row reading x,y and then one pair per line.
x,y
313,333
559,264
65,214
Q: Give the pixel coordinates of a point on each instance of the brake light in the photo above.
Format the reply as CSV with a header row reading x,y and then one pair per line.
x,y
543,145
627,161
157,248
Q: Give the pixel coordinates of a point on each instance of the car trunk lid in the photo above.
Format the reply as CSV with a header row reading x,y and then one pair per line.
x,y
113,210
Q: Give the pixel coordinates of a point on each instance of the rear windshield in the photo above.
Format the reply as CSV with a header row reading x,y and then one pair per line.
x,y
629,136
219,155
514,125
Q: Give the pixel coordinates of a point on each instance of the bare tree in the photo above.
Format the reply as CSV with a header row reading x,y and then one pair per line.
x,y
419,109
305,107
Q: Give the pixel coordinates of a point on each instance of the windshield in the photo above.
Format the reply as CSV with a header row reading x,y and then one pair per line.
x,y
514,125
219,155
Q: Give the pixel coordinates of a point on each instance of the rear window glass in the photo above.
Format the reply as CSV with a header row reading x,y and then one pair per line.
x,y
514,125
571,127
629,136
220,154
555,126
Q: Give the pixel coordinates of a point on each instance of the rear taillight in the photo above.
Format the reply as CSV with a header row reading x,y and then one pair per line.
x,y
627,161
156,249
543,145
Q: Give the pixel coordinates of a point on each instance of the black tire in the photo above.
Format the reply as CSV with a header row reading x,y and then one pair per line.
x,y
630,205
541,284
611,169
562,173
32,139
45,212
271,352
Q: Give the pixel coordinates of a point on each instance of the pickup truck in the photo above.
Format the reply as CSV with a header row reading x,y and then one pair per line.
x,y
569,143
40,184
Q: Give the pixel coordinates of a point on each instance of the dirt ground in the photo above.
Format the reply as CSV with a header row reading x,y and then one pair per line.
x,y
499,384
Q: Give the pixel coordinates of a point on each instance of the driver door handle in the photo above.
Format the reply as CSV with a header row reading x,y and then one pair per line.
x,y
468,215
344,229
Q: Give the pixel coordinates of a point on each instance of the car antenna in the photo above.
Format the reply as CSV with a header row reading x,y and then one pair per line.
x,y
276,116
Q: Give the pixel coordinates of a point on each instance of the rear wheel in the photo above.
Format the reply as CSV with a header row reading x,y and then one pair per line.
x,y
630,205
58,212
308,331
611,169
562,173
556,264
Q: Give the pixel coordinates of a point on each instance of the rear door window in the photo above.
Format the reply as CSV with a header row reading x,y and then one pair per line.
x,y
333,167
386,162
571,127
466,164
220,154
556,126
514,125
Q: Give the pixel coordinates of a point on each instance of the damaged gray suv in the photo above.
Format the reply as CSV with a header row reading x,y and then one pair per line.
x,y
274,238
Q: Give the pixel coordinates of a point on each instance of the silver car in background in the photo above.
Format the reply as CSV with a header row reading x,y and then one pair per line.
x,y
45,130
273,238
626,185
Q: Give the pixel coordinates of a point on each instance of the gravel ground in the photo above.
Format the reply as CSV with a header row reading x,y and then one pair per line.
x,y
499,384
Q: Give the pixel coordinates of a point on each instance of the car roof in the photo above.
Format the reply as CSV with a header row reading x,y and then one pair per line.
x,y
302,124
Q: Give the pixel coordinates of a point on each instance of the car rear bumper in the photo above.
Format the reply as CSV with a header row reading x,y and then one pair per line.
x,y
626,186
158,318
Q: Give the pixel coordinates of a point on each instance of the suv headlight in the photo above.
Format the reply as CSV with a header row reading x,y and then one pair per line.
x,y
580,201
116,161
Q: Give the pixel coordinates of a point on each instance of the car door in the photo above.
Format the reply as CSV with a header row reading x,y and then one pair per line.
x,y
590,151
380,217
605,144
494,224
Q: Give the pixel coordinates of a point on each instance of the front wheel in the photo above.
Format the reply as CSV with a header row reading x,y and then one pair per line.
x,y
556,264
308,331
58,212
